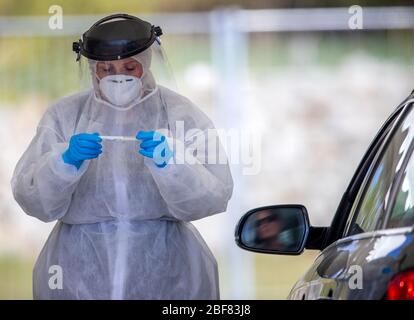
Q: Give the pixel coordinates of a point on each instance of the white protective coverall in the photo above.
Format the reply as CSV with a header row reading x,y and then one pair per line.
x,y
123,229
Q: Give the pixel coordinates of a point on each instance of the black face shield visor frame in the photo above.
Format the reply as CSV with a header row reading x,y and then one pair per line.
x,y
114,40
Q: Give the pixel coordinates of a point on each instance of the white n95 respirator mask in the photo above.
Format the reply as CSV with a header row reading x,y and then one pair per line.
x,y
120,89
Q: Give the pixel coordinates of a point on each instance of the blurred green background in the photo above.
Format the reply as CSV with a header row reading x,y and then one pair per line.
x,y
28,7
318,96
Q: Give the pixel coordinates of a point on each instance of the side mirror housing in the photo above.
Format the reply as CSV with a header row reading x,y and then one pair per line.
x,y
278,229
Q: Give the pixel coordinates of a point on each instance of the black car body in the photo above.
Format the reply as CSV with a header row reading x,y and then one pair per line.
x,y
368,250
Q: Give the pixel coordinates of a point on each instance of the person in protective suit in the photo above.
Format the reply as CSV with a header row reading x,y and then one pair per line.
x,y
123,208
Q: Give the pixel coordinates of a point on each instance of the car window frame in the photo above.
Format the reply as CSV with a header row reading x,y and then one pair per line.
x,y
407,108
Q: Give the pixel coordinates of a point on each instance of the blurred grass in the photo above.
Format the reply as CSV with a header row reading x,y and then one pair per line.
x,y
15,277
276,275
273,277
39,7
50,70
269,52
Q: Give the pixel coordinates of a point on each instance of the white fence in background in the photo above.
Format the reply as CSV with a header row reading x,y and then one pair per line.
x,y
266,20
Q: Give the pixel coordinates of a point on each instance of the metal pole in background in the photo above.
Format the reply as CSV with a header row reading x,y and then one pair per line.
x,y
229,45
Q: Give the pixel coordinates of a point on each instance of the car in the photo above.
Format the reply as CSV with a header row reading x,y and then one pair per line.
x,y
367,252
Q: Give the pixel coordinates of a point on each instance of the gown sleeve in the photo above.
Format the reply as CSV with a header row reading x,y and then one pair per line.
x,y
196,183
42,183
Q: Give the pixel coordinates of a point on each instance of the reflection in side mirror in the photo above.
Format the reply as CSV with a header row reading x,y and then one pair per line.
x,y
279,229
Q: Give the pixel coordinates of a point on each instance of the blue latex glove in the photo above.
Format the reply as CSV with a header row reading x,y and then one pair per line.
x,y
155,146
82,146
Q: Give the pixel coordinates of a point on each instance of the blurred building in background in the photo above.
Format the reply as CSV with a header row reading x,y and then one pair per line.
x,y
316,91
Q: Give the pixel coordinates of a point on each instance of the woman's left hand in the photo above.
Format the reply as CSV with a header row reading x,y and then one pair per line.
x,y
154,145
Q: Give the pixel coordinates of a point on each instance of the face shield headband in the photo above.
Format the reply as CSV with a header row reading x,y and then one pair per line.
x,y
116,37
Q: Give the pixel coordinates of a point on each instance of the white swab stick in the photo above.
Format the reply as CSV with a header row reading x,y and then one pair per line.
x,y
119,138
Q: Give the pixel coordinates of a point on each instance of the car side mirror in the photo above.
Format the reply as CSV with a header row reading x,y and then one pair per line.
x,y
279,229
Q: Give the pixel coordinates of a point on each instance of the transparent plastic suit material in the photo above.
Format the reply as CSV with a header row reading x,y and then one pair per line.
x,y
123,226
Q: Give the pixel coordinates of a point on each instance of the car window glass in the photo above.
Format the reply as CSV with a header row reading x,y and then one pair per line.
x,y
374,202
402,215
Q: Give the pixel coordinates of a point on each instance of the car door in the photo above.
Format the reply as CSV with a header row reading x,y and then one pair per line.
x,y
357,264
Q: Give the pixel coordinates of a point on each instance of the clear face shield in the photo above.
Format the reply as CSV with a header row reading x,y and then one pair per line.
x,y
122,78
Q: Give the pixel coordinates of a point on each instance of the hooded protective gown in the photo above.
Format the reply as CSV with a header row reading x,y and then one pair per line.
x,y
123,229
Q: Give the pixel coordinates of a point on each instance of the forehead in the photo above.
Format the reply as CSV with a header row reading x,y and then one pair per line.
x,y
121,62
263,214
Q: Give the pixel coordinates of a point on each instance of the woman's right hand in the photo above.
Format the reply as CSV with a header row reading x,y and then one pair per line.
x,y
82,146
